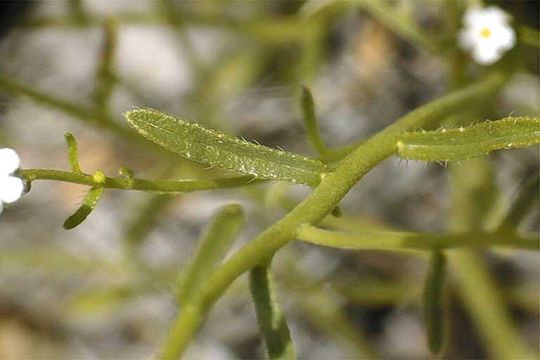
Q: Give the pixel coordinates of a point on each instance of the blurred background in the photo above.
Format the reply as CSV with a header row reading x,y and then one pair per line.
x,y
105,290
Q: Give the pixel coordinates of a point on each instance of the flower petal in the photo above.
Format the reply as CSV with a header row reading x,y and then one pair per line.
x,y
506,38
9,161
486,55
473,15
11,189
495,15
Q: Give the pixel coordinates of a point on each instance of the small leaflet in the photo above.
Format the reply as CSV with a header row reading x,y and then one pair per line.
x,y
89,203
86,208
73,153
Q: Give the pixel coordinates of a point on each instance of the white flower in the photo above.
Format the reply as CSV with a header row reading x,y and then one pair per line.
x,y
486,34
9,161
11,187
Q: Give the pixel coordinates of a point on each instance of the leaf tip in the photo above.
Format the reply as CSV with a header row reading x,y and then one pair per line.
x,y
136,115
234,209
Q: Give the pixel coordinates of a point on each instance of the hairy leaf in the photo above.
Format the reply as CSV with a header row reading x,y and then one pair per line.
x,y
88,204
464,143
212,147
73,153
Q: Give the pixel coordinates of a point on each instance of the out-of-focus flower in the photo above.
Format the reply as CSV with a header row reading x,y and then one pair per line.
x,y
486,34
11,187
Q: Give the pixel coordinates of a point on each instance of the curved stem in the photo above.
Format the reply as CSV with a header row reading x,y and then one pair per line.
x,y
80,112
138,184
333,187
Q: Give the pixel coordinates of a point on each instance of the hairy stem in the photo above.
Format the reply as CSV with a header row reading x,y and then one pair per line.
x,y
333,187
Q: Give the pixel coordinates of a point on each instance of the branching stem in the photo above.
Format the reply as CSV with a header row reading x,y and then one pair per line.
x,y
137,184
333,187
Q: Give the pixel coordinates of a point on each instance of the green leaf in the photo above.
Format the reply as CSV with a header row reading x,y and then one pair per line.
x,y
433,301
88,204
212,147
73,153
396,240
212,248
310,121
105,78
272,324
464,143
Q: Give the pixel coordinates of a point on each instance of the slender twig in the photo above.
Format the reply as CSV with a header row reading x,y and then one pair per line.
x,y
80,112
137,184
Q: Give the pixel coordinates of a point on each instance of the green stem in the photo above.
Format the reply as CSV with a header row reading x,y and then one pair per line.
x,y
105,74
87,115
393,240
182,331
333,187
333,155
310,122
272,324
212,248
433,301
138,184
90,116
